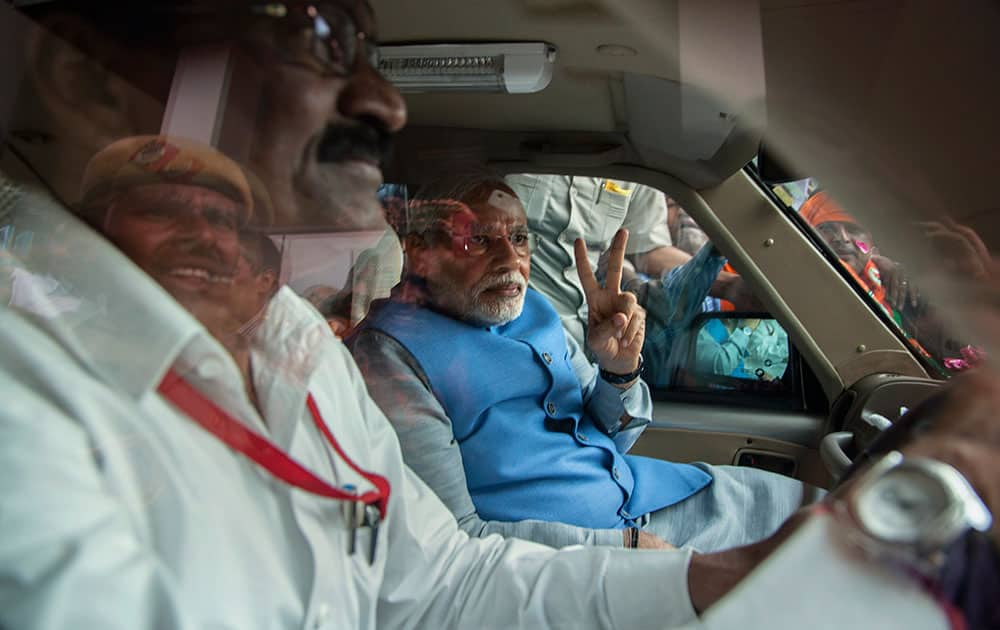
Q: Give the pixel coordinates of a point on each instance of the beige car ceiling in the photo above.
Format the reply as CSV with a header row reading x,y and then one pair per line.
x,y
587,112
843,77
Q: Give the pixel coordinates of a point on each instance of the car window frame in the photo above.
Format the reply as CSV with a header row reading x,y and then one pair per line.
x,y
934,371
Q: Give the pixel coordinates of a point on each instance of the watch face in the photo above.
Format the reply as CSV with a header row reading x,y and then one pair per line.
x,y
900,505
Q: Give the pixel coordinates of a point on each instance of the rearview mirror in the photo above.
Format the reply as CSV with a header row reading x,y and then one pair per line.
x,y
747,352
748,348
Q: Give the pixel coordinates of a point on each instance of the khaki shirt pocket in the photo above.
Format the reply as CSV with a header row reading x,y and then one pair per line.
x,y
612,206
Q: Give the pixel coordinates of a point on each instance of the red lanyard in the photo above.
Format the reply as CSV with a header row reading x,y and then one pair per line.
x,y
263,452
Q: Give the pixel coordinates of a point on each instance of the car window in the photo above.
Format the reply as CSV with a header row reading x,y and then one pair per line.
x,y
705,332
708,334
892,288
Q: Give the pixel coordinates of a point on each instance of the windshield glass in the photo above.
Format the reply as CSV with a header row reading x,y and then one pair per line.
x,y
892,288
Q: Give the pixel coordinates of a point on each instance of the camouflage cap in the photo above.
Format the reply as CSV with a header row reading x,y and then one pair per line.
x,y
143,160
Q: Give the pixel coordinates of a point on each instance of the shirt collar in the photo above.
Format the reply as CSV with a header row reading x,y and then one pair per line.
x,y
288,343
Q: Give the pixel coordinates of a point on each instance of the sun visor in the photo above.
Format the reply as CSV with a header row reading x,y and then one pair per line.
x,y
681,121
721,85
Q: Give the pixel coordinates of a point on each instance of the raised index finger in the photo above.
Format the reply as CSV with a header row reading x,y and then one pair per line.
x,y
616,259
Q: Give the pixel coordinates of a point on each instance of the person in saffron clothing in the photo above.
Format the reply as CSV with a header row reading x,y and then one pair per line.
x,y
509,423
855,247
880,277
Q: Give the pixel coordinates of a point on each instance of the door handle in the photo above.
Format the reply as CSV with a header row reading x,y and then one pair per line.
x,y
833,451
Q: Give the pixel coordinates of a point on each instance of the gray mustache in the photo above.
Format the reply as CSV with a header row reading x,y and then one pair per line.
x,y
494,281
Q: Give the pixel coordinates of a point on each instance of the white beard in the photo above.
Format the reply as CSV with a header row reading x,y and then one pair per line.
x,y
470,306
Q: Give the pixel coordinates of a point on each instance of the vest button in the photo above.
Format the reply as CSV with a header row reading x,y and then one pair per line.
x,y
616,473
581,437
547,357
551,408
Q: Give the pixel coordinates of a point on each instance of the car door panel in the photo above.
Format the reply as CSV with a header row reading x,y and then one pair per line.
x,y
718,434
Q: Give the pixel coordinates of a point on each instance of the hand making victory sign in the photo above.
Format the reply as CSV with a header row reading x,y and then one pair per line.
x,y
616,324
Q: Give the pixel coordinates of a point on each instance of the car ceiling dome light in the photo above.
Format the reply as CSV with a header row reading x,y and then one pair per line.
x,y
519,68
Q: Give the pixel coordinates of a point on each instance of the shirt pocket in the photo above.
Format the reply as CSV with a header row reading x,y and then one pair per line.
x,y
612,206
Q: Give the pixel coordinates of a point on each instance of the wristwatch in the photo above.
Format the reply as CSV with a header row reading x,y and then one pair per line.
x,y
621,379
911,512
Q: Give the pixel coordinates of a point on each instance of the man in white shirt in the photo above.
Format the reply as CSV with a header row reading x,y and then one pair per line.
x,y
143,518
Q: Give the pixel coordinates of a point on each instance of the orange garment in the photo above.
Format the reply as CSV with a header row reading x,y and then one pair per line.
x,y
821,208
871,281
726,305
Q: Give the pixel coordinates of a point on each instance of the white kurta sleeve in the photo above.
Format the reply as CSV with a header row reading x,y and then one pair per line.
x,y
833,589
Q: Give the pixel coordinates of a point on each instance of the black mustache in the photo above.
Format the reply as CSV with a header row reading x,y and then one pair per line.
x,y
365,142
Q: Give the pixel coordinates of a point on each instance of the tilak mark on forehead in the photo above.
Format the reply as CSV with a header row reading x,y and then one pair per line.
x,y
503,201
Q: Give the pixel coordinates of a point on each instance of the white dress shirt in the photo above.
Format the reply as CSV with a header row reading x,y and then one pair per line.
x,y
117,511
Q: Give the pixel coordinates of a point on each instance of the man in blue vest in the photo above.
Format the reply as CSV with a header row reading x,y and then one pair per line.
x,y
501,413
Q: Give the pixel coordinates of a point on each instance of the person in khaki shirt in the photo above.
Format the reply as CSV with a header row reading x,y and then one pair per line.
x,y
563,208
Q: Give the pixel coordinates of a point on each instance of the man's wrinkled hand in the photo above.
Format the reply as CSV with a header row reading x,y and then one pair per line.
x,y
898,289
616,324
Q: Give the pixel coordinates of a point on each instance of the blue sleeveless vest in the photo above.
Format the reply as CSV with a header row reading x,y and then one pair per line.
x,y
517,412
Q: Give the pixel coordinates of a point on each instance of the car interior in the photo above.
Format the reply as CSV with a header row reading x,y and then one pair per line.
x,y
889,103
680,96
